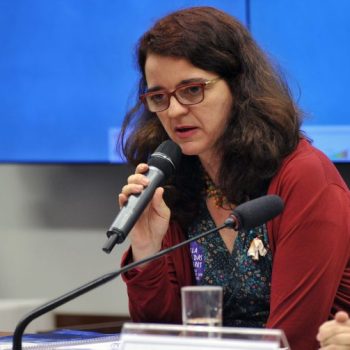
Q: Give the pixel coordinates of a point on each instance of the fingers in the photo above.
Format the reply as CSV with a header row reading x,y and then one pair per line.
x,y
136,183
139,177
326,331
335,332
338,341
141,168
335,347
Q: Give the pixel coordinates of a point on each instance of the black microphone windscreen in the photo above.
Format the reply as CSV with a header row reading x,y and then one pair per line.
x,y
258,211
166,157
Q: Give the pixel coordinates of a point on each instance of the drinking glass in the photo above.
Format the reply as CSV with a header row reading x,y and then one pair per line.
x,y
202,305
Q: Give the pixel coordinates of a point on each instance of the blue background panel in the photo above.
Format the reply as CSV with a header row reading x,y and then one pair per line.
x,y
309,40
67,70
68,74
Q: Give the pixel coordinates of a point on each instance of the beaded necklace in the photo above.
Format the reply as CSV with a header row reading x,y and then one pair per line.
x,y
212,191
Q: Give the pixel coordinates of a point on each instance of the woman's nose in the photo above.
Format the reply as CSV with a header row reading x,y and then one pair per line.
x,y
176,108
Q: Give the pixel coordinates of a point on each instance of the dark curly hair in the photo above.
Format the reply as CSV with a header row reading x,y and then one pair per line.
x,y
264,125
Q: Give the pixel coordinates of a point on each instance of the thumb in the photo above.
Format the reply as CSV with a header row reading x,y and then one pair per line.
x,y
159,205
341,316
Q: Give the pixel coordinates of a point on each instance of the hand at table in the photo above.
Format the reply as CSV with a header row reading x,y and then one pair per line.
x,y
335,334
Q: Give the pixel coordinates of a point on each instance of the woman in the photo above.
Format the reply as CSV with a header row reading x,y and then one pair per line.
x,y
335,334
207,86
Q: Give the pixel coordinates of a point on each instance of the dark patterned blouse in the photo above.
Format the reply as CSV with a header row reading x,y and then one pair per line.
x,y
246,282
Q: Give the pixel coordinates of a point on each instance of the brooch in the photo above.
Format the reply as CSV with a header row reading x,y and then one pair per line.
x,y
256,249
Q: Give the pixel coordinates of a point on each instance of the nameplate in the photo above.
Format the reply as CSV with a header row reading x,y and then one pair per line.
x,y
179,337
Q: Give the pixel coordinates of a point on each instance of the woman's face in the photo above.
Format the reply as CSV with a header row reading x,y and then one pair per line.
x,y
195,128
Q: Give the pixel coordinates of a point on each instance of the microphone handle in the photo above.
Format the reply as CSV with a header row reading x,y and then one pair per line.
x,y
53,304
132,210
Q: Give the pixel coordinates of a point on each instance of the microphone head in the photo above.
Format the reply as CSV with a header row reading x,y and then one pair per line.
x,y
257,211
166,157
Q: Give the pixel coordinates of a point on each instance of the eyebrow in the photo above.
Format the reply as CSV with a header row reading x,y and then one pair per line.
x,y
182,82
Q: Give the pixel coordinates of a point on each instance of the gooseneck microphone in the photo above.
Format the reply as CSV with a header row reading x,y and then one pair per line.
x,y
245,217
162,164
256,212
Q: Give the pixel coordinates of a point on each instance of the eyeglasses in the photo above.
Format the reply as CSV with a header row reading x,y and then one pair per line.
x,y
186,94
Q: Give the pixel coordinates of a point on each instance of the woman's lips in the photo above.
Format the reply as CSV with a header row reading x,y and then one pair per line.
x,y
185,131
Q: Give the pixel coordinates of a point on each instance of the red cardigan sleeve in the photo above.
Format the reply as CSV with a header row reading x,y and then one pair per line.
x,y
311,246
155,292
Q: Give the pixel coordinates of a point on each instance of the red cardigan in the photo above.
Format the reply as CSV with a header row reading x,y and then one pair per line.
x,y
310,242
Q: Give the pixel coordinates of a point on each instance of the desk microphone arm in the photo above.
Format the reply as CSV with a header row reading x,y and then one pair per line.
x,y
53,304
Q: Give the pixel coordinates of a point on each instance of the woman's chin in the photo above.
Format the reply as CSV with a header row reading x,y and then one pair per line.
x,y
189,151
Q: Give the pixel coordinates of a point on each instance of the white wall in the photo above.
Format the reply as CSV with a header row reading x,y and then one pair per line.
x,y
53,220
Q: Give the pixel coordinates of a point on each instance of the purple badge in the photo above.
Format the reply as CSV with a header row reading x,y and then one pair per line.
x,y
197,253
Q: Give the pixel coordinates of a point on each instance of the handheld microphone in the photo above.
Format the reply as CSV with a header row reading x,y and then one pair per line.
x,y
242,218
162,164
